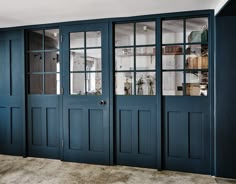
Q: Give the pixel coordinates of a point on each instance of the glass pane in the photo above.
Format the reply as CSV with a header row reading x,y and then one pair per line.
x,y
196,30
52,62
145,33
35,84
51,39
124,83
196,57
77,40
36,62
172,83
94,83
172,31
172,57
77,60
197,83
124,59
94,60
93,39
35,40
52,83
124,34
145,58
172,50
77,83
146,83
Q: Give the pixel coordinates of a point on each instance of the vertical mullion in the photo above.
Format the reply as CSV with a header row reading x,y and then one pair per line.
x,y
43,60
85,62
184,35
134,58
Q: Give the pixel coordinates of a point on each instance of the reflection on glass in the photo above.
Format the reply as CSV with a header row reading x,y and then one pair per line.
x,y
94,83
93,39
172,31
124,34
124,59
172,62
172,83
145,58
196,57
52,62
77,83
124,83
77,40
52,83
51,39
35,84
145,33
94,59
77,60
197,30
197,83
145,83
35,62
35,40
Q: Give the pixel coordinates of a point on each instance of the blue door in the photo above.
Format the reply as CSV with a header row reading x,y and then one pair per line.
x,y
11,93
136,94
43,92
86,93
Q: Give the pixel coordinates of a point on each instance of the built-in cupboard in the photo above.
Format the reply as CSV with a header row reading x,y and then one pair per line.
x,y
128,91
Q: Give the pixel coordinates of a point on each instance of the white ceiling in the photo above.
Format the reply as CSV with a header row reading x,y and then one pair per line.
x,y
30,12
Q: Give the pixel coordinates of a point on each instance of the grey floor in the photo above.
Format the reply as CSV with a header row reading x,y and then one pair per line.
x,y
18,170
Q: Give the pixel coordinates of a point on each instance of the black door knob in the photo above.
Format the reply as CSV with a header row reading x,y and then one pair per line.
x,y
102,102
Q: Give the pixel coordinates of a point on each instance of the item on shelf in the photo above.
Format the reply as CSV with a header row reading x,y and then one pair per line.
x,y
140,83
197,62
193,89
198,36
127,87
173,49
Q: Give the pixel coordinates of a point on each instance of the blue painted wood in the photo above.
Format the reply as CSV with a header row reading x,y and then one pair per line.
x,y
11,93
43,126
225,97
136,131
91,134
187,134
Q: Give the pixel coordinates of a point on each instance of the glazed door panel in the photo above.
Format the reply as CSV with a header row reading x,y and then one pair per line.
x,y
86,94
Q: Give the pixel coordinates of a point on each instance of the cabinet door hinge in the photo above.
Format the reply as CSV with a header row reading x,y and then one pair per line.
x,y
62,91
62,144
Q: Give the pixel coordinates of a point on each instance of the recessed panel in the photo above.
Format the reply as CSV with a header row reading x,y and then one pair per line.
x,y
4,68
75,129
16,129
144,132
125,133
96,130
177,134
4,124
196,135
37,126
52,127
16,68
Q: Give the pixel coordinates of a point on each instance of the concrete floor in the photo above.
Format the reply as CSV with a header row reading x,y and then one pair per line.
x,y
18,170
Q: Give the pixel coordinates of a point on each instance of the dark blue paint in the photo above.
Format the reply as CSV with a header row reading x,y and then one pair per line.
x,y
225,97
93,124
11,93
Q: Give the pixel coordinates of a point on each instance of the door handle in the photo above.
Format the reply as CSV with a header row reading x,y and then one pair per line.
x,y
102,102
